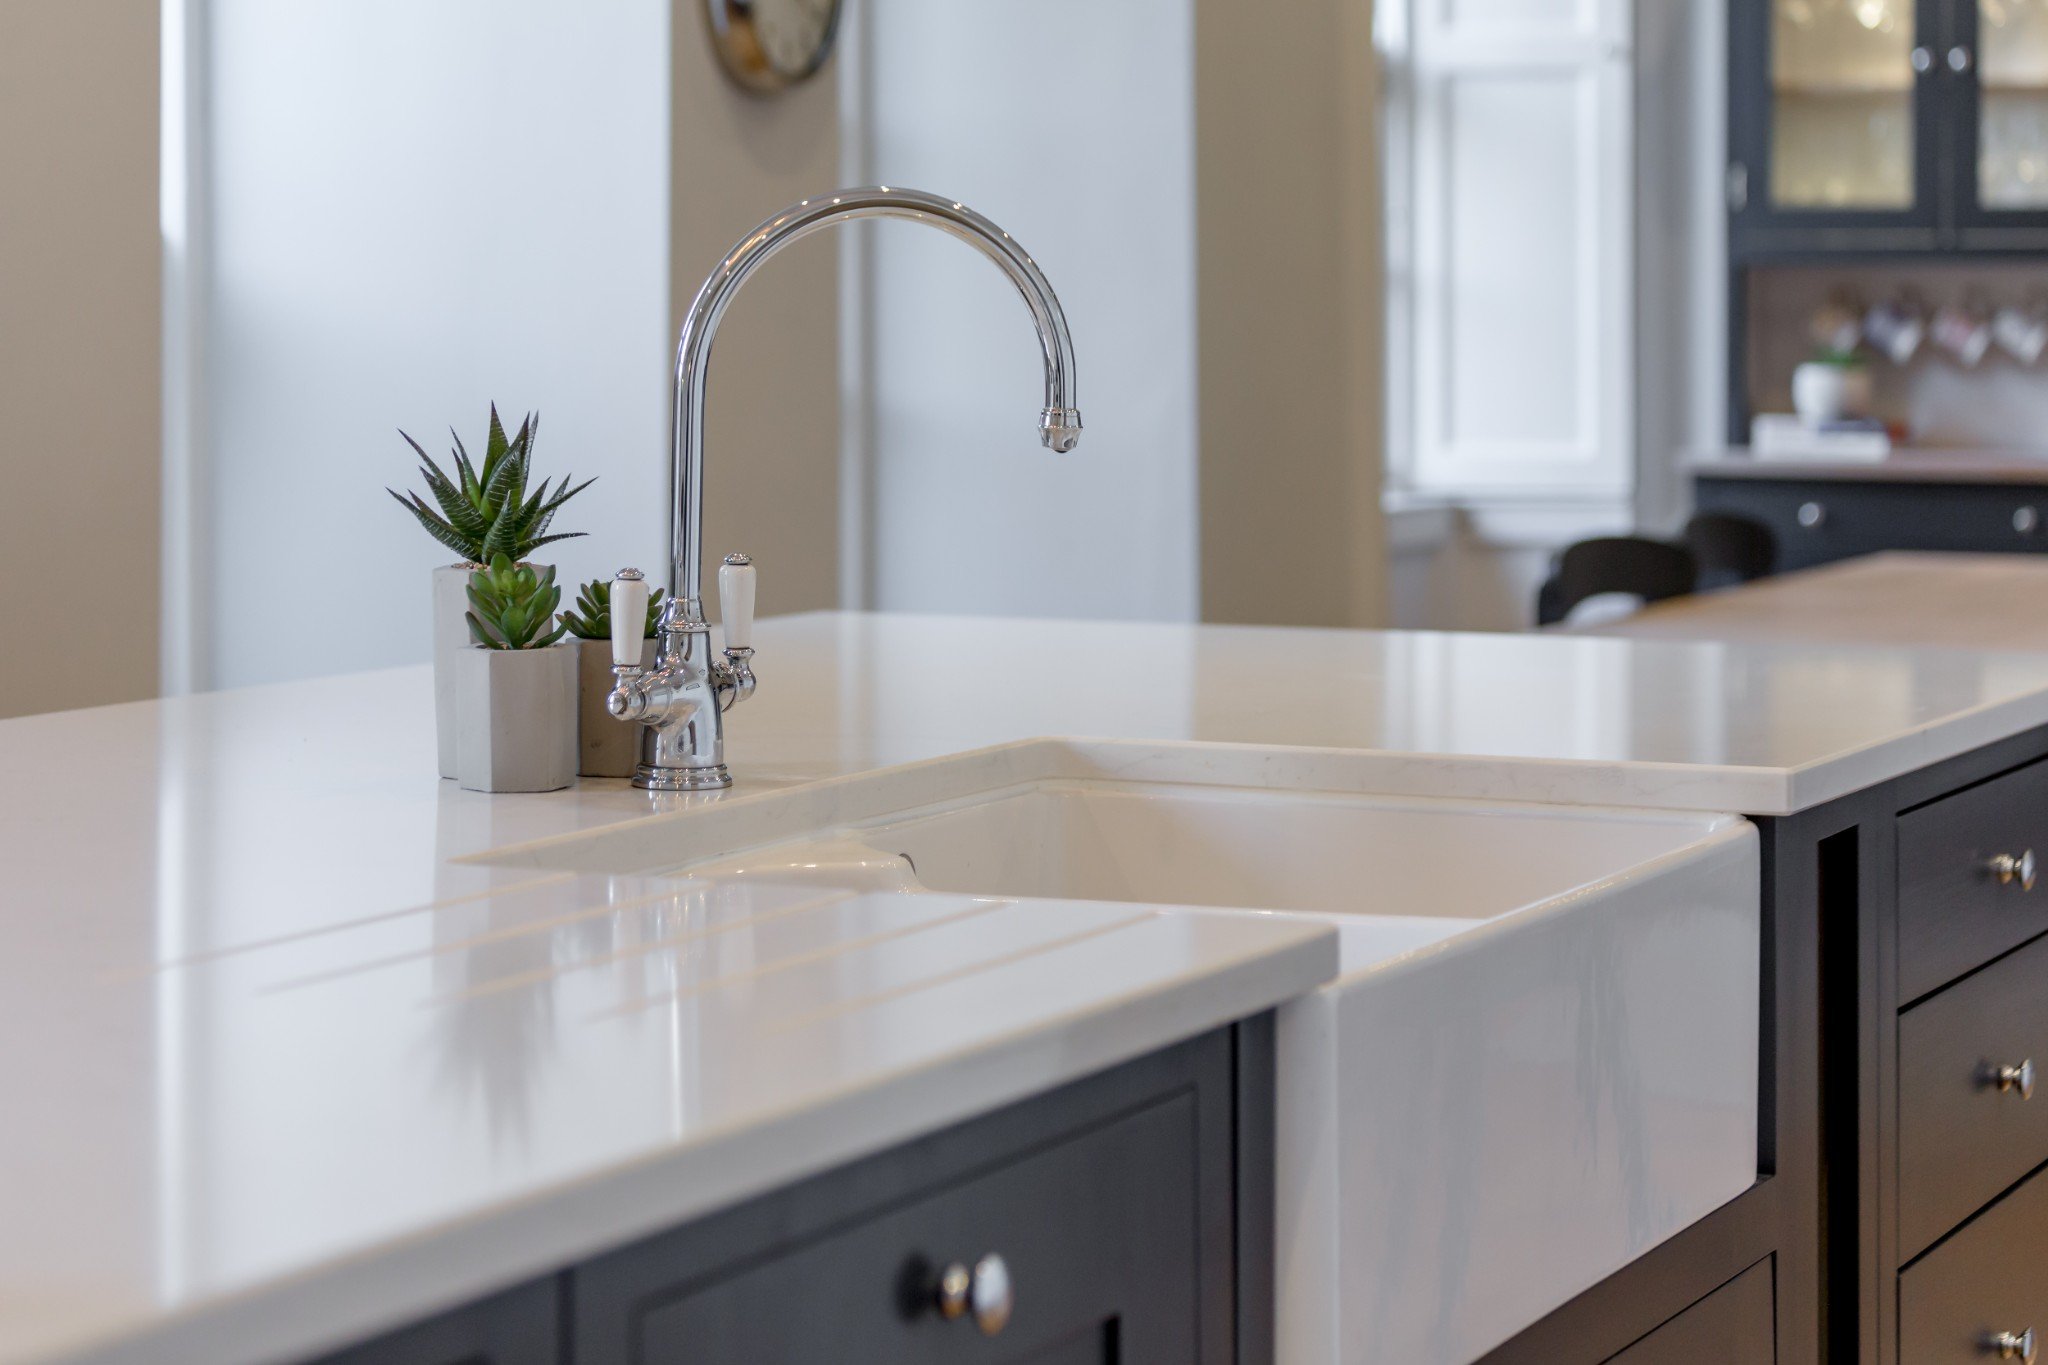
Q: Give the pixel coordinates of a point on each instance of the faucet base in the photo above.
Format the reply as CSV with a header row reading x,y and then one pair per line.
x,y
649,778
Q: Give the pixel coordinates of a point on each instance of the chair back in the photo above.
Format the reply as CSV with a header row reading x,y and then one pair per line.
x,y
1730,549
1649,569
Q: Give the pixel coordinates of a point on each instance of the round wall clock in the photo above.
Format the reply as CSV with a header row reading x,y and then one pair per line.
x,y
770,45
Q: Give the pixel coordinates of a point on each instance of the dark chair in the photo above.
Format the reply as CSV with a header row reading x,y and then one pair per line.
x,y
1730,549
1650,569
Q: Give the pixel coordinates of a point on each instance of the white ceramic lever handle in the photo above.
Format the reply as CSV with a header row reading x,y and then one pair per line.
x,y
629,618
736,601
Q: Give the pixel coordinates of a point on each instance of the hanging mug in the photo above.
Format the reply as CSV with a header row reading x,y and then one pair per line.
x,y
1835,326
2021,332
1963,332
1895,329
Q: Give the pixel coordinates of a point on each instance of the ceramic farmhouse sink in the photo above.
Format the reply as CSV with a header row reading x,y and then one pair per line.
x,y
1540,1058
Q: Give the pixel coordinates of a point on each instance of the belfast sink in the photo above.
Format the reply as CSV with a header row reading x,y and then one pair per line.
x,y
1539,1060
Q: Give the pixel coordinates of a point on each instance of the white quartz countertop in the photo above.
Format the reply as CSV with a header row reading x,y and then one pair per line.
x,y
305,1041
1896,599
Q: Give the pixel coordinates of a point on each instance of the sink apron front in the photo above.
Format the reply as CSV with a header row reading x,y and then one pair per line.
x,y
1470,1138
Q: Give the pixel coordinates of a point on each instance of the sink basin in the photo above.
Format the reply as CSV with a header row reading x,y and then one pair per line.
x,y
1539,1060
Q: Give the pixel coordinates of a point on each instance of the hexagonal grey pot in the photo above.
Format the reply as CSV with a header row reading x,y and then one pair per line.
x,y
451,637
606,747
515,720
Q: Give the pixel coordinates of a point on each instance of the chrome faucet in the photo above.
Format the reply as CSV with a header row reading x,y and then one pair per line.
x,y
682,700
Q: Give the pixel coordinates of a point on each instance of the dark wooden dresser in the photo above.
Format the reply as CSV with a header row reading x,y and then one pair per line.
x,y
1821,513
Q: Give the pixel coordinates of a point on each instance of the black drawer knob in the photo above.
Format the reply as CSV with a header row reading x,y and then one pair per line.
x,y
985,1292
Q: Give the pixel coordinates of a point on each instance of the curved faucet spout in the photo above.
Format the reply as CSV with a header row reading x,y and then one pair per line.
x,y
1059,423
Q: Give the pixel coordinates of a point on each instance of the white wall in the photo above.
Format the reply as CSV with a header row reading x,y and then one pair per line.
x,y
1070,123
419,209
1681,249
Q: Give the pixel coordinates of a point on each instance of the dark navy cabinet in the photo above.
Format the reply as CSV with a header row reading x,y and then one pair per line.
x,y
1817,521
522,1326
1892,127
1107,1210
1123,1219
1733,1324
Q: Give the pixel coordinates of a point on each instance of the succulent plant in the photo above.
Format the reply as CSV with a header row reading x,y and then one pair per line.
x,y
484,511
510,605
591,617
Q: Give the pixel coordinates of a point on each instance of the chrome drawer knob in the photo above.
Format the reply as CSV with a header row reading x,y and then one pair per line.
x,y
985,1292
1812,515
2009,869
2013,1345
2020,1078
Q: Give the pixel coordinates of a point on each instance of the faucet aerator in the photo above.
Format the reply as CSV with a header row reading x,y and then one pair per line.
x,y
1060,428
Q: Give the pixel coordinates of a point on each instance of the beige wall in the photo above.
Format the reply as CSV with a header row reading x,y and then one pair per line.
x,y
80,300
771,473
1289,304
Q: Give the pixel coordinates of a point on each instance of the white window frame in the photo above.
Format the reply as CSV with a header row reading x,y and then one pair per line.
x,y
1426,47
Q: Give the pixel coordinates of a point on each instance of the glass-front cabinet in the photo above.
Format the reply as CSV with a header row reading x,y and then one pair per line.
x,y
1887,125
2009,166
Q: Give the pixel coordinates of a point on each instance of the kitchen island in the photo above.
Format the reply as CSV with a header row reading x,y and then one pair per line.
x,y
1930,1022
319,1044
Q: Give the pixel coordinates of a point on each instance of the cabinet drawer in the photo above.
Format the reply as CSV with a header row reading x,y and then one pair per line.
x,y
1963,1137
1990,1278
1955,912
1818,521
1100,1235
1734,1325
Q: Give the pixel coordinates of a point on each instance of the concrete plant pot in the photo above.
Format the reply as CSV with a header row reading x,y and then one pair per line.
x,y
1823,392
606,747
515,718
451,637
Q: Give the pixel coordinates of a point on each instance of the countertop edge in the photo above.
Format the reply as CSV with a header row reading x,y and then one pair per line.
x,y
1901,466
440,1269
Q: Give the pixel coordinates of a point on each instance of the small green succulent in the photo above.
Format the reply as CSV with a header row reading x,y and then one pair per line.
x,y
511,605
591,617
485,511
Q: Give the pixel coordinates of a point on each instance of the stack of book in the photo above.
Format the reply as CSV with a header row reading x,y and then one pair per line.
x,y
1781,436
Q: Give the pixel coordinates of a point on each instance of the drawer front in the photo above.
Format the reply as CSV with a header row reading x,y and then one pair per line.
x,y
1955,912
1734,1325
1098,1235
1965,1131
1820,520
1990,1278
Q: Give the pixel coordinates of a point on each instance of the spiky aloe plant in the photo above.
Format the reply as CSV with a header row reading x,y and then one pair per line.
x,y
484,511
510,605
591,617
